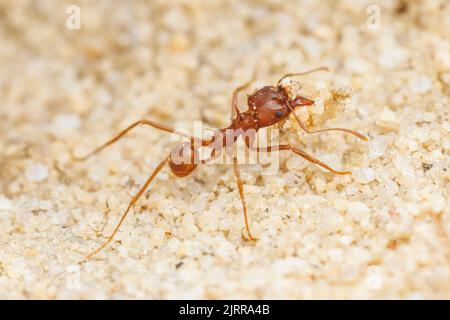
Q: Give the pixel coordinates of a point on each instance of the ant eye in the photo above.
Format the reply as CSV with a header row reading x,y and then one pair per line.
x,y
279,114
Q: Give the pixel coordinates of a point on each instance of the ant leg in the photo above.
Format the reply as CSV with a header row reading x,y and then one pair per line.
x,y
242,195
301,153
125,131
303,126
234,108
301,73
130,205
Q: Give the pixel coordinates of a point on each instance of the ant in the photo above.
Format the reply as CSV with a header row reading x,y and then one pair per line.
x,y
267,106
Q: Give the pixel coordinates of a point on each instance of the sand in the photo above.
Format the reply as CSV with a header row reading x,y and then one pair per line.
x,y
382,232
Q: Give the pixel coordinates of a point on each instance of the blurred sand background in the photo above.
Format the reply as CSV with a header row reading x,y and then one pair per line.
x,y
381,233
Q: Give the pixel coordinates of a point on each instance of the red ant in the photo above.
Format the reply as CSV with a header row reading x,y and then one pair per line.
x,y
266,107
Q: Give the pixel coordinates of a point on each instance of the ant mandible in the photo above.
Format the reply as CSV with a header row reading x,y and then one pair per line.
x,y
266,107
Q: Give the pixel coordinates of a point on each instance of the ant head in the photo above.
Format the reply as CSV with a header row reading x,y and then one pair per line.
x,y
269,104
272,104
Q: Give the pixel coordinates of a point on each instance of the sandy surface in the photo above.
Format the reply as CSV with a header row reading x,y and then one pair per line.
x,y
382,232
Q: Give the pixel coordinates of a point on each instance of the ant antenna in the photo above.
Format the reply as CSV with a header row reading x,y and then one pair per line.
x,y
301,73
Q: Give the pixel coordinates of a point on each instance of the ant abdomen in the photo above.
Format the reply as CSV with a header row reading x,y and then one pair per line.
x,y
183,159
